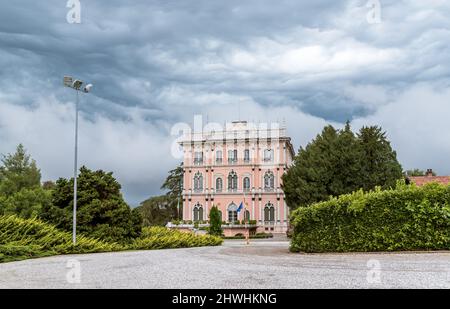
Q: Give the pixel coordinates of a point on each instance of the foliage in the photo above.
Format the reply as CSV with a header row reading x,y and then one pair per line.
x,y
174,182
157,237
18,172
101,211
215,221
338,162
26,203
30,238
157,210
416,172
403,218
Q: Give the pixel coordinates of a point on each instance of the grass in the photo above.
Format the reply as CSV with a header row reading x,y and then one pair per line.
x,y
31,238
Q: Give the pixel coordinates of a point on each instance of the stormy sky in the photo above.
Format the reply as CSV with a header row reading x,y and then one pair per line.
x,y
156,63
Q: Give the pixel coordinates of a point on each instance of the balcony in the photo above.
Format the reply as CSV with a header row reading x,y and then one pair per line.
x,y
232,161
219,161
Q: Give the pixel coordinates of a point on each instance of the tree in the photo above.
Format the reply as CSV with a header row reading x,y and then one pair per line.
x,y
174,182
338,162
416,172
379,161
101,210
27,203
157,210
18,172
215,221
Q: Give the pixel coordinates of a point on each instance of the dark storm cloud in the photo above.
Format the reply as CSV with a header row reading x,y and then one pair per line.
x,y
154,63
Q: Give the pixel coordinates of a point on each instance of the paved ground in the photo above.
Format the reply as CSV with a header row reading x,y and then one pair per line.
x,y
262,264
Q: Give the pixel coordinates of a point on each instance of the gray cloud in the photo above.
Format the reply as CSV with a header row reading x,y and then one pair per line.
x,y
155,63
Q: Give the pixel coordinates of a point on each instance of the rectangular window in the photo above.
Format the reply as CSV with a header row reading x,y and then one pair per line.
x,y
268,155
246,155
198,157
219,157
232,156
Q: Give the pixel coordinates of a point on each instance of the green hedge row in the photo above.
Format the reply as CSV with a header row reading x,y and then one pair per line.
x,y
405,218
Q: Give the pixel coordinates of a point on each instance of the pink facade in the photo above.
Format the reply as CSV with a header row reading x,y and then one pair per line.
x,y
242,163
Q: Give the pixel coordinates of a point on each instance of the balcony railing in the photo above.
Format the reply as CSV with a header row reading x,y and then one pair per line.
x,y
198,161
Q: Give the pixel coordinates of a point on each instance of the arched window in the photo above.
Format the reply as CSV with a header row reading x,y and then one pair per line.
x,y
219,184
198,182
198,212
232,212
269,181
246,184
269,212
247,216
232,181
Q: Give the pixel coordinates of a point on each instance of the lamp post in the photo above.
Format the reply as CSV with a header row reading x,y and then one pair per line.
x,y
76,85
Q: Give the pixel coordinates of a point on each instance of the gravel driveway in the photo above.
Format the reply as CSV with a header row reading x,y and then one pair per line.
x,y
262,264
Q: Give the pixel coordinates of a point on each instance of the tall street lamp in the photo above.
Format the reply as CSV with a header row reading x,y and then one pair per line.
x,y
75,84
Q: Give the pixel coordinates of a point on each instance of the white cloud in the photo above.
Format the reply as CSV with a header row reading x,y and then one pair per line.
x,y
417,123
134,149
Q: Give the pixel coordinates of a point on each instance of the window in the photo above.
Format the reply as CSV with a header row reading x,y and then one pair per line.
x,y
232,212
219,157
219,184
232,156
268,155
269,213
232,181
198,158
246,184
247,216
246,155
269,181
198,182
198,212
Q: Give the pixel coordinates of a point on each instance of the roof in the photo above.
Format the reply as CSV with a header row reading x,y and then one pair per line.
x,y
421,180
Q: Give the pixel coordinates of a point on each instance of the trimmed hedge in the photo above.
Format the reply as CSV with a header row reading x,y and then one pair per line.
x,y
404,218
163,238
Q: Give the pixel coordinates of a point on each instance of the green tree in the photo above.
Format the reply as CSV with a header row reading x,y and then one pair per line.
x,y
27,203
101,210
157,210
338,162
379,161
174,181
215,221
18,172
416,172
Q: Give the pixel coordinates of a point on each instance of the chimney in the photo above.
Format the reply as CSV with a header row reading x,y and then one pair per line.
x,y
429,172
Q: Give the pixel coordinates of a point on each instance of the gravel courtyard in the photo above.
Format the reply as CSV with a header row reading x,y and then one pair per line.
x,y
262,264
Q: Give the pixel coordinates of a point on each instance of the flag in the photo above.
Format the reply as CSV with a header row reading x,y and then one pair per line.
x,y
240,207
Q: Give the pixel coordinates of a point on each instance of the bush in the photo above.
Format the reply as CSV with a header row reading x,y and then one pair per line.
x,y
215,226
163,238
28,238
404,218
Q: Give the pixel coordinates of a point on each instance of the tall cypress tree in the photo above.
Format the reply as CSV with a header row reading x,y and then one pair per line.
x,y
338,162
379,161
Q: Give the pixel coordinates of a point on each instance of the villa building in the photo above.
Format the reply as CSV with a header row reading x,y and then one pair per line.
x,y
241,163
